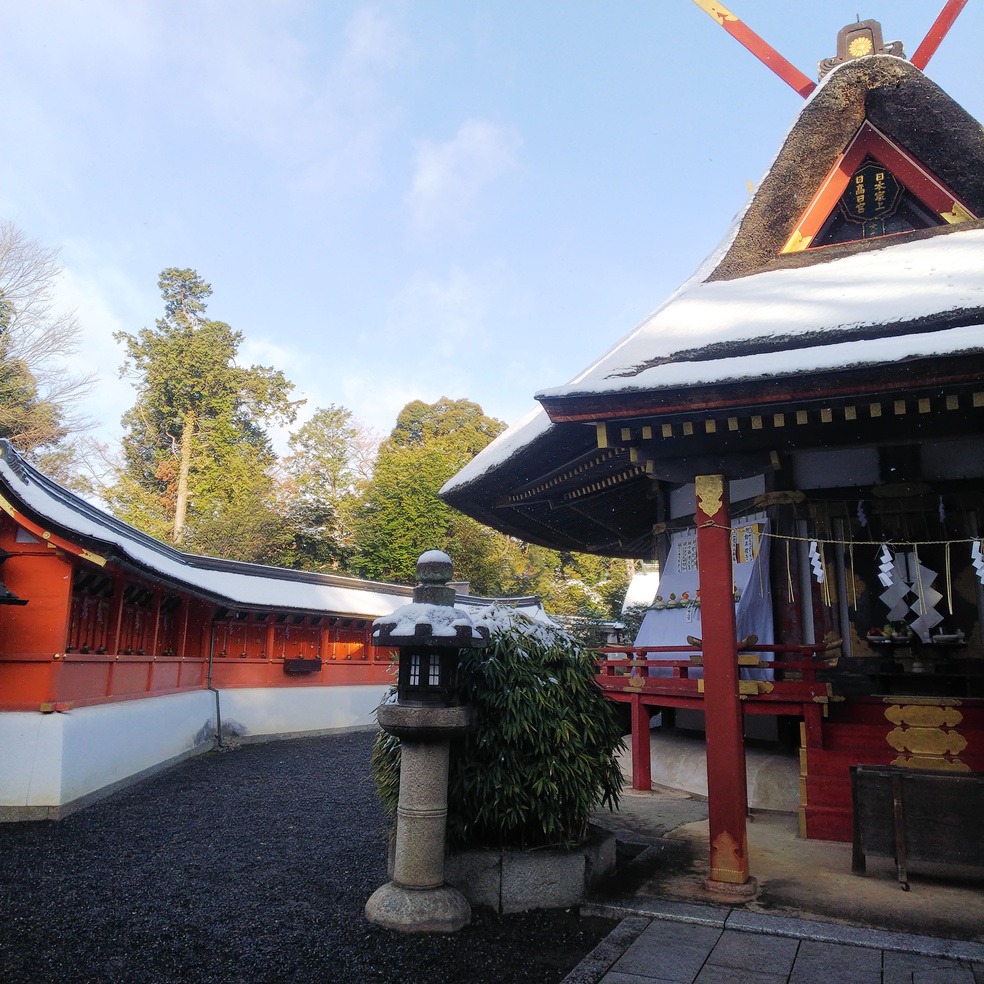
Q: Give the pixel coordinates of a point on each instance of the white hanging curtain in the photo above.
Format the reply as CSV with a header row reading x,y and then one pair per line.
x,y
675,613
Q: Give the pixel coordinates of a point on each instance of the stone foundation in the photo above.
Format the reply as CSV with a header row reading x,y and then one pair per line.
x,y
546,878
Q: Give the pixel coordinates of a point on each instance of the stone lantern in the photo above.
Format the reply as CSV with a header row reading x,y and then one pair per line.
x,y
425,714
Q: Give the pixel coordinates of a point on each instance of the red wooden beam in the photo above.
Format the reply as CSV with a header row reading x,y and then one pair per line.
x,y
761,49
937,33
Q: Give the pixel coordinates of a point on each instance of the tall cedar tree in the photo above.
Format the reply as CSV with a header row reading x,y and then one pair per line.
x,y
196,452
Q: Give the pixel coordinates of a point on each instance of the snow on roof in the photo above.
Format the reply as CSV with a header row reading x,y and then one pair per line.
x,y
779,313
509,442
442,621
250,585
852,311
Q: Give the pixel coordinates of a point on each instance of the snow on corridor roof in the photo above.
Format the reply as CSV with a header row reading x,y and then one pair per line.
x,y
239,584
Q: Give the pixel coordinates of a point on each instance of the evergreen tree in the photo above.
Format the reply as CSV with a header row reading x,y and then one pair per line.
x,y
323,477
197,456
400,514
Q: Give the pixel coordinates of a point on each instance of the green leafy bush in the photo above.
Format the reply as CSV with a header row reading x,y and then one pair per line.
x,y
542,756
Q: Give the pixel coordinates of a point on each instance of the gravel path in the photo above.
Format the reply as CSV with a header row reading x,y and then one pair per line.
x,y
251,865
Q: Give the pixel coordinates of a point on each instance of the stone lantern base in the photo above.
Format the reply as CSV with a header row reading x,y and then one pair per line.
x,y
417,900
418,910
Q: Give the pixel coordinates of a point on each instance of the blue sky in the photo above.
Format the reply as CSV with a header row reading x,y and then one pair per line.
x,y
402,200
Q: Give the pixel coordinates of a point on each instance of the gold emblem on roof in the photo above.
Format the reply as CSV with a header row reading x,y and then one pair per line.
x,y
860,46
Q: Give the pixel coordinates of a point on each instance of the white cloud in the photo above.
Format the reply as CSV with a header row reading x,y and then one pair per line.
x,y
450,177
213,80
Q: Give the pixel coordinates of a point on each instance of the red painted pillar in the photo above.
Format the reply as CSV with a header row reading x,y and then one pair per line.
x,y
727,798
642,775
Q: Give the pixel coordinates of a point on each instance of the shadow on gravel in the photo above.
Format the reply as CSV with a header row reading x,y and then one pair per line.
x,y
247,866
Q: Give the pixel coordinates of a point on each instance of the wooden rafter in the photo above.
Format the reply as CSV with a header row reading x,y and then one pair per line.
x,y
788,72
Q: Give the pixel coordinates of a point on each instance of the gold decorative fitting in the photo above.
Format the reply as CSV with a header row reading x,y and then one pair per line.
x,y
935,762
796,243
924,715
710,493
860,47
926,741
956,215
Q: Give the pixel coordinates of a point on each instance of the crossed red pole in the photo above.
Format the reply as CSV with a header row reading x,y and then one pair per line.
x,y
788,72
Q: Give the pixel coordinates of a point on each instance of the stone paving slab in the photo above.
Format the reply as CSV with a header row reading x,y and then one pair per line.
x,y
673,951
908,968
712,974
968,951
688,943
836,962
746,951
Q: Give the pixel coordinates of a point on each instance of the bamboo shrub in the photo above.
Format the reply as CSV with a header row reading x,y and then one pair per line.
x,y
543,754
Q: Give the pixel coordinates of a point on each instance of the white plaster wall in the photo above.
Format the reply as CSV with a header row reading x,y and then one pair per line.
x,y
680,762
30,758
51,759
109,742
291,710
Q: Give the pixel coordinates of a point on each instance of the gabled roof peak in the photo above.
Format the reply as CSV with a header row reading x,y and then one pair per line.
x,y
894,97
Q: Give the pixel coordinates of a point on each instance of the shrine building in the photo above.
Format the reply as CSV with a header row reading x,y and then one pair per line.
x,y
797,435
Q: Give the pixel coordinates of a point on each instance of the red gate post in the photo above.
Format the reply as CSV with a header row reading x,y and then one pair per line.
x,y
727,797
642,775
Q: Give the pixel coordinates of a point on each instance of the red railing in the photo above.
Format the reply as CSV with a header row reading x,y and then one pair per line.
x,y
624,675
